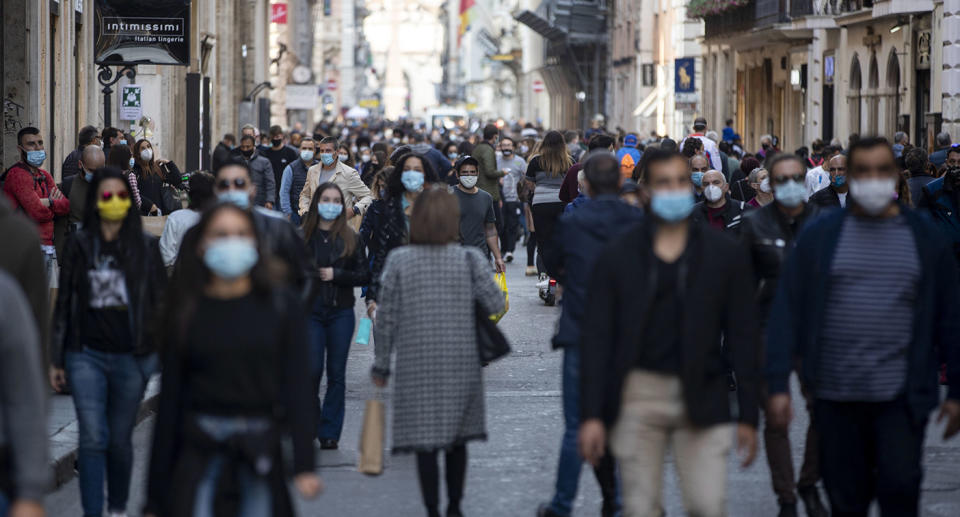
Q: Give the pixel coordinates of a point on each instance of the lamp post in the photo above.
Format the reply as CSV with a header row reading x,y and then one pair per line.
x,y
107,79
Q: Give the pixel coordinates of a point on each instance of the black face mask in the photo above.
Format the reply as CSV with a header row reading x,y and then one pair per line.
x,y
277,141
247,153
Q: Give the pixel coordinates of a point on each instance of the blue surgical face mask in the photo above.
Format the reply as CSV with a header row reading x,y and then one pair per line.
x,y
790,194
132,162
88,176
122,142
238,197
452,156
412,180
839,181
672,205
329,211
327,159
36,158
306,156
231,257
697,178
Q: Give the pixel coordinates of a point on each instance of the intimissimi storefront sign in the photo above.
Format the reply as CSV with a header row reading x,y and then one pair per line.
x,y
142,32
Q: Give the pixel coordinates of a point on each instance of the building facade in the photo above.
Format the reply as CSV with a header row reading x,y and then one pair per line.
x,y
827,69
50,80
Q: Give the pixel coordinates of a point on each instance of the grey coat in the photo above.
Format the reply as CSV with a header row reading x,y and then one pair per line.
x,y
426,314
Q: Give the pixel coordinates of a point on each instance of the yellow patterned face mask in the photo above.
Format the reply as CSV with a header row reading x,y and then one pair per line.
x,y
113,208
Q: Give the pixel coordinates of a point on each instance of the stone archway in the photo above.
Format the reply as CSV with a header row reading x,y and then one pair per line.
x,y
873,97
892,105
854,95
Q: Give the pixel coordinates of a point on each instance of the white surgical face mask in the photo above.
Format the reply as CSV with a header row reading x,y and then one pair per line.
x,y
874,195
146,154
468,181
765,185
713,193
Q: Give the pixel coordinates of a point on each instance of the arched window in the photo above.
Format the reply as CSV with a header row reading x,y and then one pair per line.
x,y
854,96
873,97
893,88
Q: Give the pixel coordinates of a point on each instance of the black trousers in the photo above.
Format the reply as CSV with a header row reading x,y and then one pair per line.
x,y
511,225
870,450
429,474
545,216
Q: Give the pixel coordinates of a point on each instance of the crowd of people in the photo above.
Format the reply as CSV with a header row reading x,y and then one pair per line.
x,y
696,278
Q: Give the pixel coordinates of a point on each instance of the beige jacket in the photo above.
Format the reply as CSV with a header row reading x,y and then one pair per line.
x,y
355,192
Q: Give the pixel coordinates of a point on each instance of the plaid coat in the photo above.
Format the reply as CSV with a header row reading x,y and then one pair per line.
x,y
427,315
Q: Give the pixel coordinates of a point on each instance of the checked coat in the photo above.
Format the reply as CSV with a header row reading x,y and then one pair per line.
x,y
426,314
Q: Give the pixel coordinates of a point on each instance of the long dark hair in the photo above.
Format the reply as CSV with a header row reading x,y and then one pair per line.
x,y
148,167
340,229
395,187
555,160
191,275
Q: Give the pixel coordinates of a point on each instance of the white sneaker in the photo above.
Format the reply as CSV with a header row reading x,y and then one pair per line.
x,y
117,514
544,282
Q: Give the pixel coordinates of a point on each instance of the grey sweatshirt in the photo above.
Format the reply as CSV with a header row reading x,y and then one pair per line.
x,y
23,431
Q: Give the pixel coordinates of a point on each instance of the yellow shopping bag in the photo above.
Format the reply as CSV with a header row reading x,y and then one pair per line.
x,y
501,280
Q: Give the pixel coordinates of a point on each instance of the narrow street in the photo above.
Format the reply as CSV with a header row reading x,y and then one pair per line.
x,y
511,473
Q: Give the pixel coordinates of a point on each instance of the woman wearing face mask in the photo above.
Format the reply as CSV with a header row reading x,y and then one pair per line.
x,y
450,151
387,222
438,396
760,182
236,381
341,264
151,175
121,158
371,168
346,155
111,282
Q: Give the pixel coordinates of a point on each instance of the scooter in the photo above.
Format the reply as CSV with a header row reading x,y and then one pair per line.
x,y
548,291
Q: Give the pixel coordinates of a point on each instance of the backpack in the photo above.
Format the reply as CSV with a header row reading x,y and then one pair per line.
x,y
627,165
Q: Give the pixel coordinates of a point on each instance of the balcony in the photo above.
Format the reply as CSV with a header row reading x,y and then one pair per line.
x,y
761,14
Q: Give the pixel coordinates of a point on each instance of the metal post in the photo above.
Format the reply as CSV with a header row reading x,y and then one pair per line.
x,y
106,78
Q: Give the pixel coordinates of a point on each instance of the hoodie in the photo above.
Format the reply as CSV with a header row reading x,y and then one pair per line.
x,y
577,242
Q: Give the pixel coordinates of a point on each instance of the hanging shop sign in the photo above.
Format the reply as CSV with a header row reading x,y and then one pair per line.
x,y
146,32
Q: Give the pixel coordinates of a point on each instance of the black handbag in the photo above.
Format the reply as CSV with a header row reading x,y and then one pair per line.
x,y
491,343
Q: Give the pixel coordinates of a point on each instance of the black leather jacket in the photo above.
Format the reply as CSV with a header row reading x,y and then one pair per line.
x,y
145,277
348,271
733,212
769,235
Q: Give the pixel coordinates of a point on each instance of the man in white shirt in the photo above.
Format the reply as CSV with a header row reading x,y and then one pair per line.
x,y
818,178
709,146
200,187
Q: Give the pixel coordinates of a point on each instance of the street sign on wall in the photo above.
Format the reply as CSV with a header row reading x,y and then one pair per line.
x,y
537,86
683,81
142,32
331,85
278,13
131,102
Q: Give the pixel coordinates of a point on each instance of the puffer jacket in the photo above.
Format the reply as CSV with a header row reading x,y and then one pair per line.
x,y
769,236
145,277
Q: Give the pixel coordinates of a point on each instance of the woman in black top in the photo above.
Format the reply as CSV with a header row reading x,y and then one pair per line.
x,y
151,175
386,224
340,266
111,281
236,381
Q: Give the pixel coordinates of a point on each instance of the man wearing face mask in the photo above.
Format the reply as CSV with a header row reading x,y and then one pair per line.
x,y
652,373
768,234
280,156
818,178
698,167
478,224
110,137
295,177
233,183
89,135
835,196
514,167
869,304
33,191
356,195
717,209
261,172
91,159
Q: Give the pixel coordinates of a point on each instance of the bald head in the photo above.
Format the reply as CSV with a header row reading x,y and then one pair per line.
x,y
714,177
837,166
92,158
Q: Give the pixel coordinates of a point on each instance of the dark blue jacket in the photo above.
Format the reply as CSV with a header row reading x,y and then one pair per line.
x,y
577,242
942,205
797,314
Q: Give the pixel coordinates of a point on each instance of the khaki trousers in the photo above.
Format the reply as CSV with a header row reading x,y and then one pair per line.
x,y
652,415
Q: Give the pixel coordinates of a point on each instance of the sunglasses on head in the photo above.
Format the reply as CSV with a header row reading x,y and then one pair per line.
x,y
780,180
237,182
123,194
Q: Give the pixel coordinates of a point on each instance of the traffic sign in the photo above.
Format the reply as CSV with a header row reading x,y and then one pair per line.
x,y
331,85
537,86
278,14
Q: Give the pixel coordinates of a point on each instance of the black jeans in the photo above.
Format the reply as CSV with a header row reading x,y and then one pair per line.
x,y
870,450
511,223
545,216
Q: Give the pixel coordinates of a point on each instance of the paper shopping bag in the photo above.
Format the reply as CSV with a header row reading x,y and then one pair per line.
x,y
153,224
371,439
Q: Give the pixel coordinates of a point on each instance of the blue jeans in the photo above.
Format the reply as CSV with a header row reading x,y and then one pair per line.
x,y
330,333
256,498
107,390
570,464
4,505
